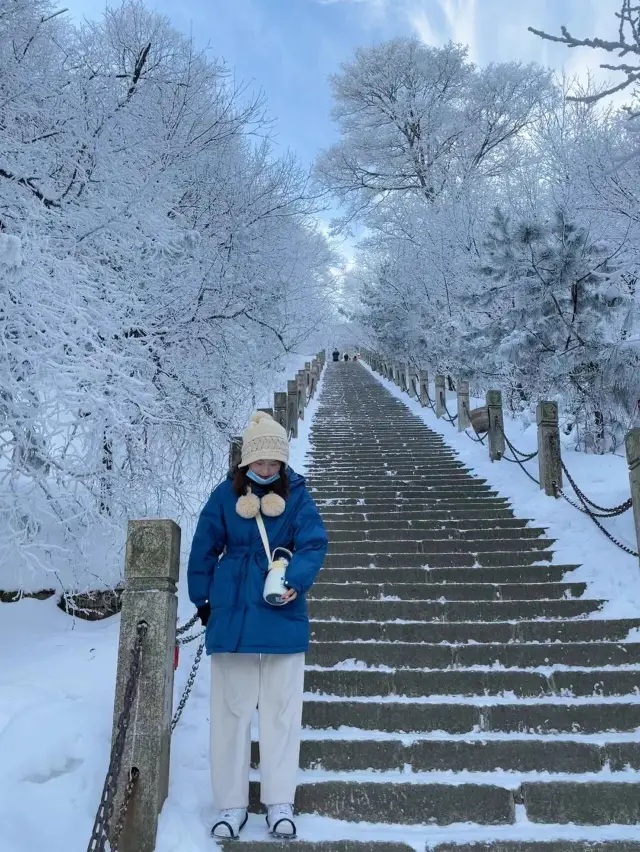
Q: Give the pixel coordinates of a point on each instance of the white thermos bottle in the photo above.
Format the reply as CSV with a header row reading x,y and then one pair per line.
x,y
274,586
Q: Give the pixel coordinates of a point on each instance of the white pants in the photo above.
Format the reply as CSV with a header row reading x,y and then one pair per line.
x,y
274,683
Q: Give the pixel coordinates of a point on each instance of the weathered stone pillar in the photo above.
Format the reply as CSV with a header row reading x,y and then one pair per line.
x,y
496,425
302,393
152,566
440,395
235,452
632,444
314,377
549,453
423,376
411,387
280,408
463,405
292,407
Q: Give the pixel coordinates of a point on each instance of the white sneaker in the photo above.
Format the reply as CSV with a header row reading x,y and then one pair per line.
x,y
230,823
280,821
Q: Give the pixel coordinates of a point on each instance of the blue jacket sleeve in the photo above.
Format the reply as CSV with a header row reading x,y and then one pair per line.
x,y
208,543
310,544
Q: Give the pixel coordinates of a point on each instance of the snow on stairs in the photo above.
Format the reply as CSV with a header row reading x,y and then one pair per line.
x,y
453,677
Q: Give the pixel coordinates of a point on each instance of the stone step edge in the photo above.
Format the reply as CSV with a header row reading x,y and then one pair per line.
x,y
487,701
603,740
503,779
479,668
513,623
354,644
342,836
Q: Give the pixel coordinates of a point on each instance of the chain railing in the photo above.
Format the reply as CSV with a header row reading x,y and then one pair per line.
x,y
595,512
449,418
519,461
180,631
190,680
103,832
478,439
550,463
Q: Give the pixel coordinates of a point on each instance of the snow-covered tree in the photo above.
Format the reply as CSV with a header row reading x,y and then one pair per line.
x,y
158,263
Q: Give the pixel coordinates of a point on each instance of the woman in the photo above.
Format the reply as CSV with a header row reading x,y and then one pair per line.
x,y
257,650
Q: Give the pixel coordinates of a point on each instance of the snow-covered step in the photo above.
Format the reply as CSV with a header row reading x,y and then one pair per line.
x,y
450,500
399,522
535,573
450,485
457,714
524,655
436,544
381,533
554,756
590,841
389,610
464,682
474,632
438,558
446,798
448,591
360,514
333,835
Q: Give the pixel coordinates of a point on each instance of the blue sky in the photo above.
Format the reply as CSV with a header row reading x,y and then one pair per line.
x,y
288,48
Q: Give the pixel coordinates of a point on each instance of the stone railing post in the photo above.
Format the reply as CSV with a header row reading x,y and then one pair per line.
x,y
280,408
632,444
307,371
496,425
302,393
463,405
423,376
549,453
312,377
411,388
292,407
152,566
440,395
235,452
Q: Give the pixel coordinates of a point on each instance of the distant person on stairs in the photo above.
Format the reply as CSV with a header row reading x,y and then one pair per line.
x,y
257,648
346,356
336,355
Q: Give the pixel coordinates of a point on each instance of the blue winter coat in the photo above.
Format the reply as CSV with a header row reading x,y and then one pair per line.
x,y
228,567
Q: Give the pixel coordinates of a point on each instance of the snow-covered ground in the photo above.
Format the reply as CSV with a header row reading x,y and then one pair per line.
x,y
57,680
610,574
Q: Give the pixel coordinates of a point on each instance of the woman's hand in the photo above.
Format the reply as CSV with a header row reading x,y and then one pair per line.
x,y
289,595
204,613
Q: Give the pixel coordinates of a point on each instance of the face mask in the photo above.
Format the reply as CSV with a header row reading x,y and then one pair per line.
x,y
259,480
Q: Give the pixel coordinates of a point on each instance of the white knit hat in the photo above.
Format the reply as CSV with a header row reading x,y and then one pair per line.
x,y
264,439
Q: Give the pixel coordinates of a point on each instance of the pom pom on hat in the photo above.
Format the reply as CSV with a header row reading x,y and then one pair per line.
x,y
259,416
264,439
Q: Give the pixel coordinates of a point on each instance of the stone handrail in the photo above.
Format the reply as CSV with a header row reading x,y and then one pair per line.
x,y
488,420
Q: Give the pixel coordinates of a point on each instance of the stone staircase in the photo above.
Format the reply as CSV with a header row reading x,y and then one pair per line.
x,y
453,677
